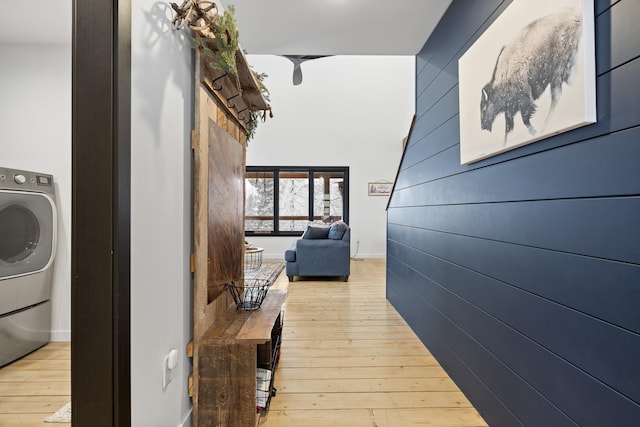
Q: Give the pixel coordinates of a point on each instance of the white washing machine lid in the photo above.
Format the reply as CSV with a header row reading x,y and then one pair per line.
x,y
27,232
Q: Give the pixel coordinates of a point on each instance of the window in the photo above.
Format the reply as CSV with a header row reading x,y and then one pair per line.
x,y
304,194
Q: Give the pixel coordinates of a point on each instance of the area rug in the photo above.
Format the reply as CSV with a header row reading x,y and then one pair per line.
x,y
62,416
268,271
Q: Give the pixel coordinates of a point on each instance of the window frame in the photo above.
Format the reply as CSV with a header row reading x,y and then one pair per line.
x,y
310,170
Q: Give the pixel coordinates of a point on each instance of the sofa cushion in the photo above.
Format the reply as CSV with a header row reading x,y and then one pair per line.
x,y
290,255
337,230
316,233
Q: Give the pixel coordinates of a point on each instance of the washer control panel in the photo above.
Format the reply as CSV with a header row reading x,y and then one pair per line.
x,y
15,179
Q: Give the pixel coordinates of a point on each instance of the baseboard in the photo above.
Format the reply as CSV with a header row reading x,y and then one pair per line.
x,y
367,256
278,257
186,421
63,336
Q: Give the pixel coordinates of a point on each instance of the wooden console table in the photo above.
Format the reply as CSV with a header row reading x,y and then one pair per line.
x,y
228,362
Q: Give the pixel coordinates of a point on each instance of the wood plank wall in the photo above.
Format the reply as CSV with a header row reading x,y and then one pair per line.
x,y
215,125
521,273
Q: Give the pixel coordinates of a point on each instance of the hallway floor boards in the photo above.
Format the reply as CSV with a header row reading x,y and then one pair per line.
x,y
348,359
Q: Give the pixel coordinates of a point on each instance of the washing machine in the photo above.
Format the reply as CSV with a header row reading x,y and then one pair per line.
x,y
28,228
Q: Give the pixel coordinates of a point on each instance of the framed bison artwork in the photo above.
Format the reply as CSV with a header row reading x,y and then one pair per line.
x,y
531,75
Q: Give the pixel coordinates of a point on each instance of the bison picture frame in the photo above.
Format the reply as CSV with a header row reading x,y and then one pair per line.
x,y
529,76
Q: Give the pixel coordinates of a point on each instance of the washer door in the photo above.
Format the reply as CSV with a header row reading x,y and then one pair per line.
x,y
27,233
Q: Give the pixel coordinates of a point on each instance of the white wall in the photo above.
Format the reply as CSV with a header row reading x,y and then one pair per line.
x,y
35,135
161,296
349,111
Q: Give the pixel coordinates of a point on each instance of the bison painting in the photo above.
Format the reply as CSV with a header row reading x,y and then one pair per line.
x,y
532,73
543,55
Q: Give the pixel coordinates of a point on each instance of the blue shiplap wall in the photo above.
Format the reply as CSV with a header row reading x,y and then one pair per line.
x,y
521,273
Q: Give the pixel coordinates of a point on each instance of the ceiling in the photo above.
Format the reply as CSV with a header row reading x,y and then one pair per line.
x,y
281,27
336,27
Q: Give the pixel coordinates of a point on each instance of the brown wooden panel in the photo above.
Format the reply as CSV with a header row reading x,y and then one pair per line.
x,y
203,313
226,208
257,328
227,385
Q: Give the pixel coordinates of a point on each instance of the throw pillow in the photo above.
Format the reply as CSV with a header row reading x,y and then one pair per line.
x,y
337,230
316,233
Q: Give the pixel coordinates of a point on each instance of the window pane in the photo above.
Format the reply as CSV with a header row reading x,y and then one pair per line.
x,y
337,198
258,215
328,196
294,201
284,209
319,214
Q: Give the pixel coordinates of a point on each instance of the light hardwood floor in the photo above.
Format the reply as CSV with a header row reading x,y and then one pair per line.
x,y
348,359
35,387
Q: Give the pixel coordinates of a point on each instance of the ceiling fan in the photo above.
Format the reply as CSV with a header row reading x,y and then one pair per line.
x,y
297,62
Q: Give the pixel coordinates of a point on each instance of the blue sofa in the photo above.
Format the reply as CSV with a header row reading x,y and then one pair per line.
x,y
320,252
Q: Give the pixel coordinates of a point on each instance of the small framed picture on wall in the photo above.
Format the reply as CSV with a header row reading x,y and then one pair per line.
x,y
380,188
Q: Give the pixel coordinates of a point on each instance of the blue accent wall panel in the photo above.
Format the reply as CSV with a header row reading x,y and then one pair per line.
x,y
521,272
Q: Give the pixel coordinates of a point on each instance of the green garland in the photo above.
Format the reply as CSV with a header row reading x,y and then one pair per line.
x,y
224,57
227,35
254,115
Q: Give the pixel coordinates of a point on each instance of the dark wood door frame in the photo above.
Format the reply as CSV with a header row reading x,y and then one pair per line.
x,y
101,214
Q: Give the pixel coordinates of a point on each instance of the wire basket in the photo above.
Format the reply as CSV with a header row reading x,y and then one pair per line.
x,y
248,294
252,259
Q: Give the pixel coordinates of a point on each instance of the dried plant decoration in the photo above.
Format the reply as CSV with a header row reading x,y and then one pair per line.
x,y
199,15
